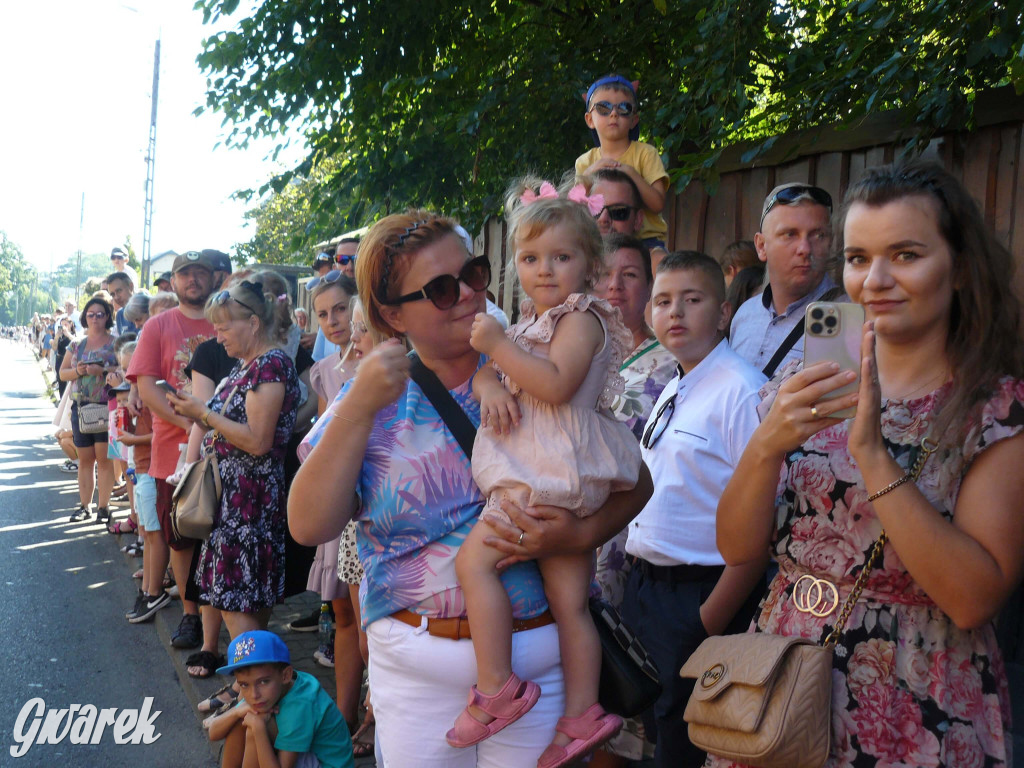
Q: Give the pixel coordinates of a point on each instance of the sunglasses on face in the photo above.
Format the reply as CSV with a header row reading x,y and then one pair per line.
x,y
331,277
617,212
658,426
345,260
790,195
605,108
443,291
95,315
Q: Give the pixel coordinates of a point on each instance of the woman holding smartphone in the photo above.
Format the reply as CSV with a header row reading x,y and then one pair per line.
x,y
918,678
250,418
86,366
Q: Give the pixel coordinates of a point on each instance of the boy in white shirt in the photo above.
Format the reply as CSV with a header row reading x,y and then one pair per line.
x,y
680,590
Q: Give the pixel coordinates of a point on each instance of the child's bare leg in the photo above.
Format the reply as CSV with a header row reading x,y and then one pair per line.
x,y
348,661
490,613
566,585
234,747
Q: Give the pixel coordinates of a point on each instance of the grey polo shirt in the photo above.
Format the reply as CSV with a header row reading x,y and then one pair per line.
x,y
758,330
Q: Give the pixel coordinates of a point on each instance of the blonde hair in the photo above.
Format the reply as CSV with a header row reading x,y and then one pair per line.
x,y
161,302
275,284
249,299
385,254
375,335
527,220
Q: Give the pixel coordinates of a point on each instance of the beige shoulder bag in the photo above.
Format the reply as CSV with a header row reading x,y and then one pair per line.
x,y
765,700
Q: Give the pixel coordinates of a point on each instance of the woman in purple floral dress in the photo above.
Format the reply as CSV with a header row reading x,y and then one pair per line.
x,y
251,415
917,678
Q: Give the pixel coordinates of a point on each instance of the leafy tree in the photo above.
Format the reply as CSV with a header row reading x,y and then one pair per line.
x,y
20,291
439,103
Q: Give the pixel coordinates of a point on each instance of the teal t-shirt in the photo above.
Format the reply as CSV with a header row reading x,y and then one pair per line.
x,y
309,721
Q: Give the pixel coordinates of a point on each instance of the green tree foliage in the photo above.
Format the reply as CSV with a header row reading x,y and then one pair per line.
x,y
439,103
20,290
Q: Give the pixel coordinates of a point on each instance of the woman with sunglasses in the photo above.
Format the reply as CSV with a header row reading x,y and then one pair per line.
x,y
613,119
250,418
389,445
86,368
932,458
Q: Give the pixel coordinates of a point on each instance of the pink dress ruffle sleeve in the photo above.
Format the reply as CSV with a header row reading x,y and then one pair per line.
x,y
571,455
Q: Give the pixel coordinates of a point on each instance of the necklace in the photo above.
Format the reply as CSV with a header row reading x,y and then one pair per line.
x,y
926,387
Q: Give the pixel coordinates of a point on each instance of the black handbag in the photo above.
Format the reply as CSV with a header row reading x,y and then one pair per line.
x,y
629,679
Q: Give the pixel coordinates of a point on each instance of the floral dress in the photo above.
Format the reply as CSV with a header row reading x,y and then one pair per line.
x,y
241,565
909,687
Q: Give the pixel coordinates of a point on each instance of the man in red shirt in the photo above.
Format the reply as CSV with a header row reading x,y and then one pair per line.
x,y
164,350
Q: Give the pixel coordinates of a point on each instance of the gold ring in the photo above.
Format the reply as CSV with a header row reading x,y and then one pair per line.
x,y
521,535
814,411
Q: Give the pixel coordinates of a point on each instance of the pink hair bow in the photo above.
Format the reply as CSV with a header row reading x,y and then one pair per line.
x,y
594,203
547,189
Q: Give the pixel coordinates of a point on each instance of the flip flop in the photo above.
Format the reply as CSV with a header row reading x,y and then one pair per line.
x,y
209,662
363,738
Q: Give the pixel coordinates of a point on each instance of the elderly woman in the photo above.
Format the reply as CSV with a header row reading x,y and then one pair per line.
x,y
917,676
136,311
388,445
251,415
86,365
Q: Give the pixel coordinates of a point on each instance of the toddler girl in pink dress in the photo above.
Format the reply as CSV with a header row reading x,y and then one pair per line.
x,y
546,438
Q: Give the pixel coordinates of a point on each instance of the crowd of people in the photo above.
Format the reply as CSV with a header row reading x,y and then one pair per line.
x,y
645,429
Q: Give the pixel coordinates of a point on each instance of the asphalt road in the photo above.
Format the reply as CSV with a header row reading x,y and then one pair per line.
x,y
64,588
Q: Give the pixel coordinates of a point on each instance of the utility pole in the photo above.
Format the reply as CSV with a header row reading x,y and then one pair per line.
x,y
147,229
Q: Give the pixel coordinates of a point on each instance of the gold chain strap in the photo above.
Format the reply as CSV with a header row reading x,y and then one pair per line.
x,y
928,447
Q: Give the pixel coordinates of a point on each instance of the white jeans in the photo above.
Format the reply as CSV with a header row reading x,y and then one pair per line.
x,y
419,684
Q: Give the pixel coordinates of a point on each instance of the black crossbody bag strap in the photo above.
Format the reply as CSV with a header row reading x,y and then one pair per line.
x,y
796,333
450,412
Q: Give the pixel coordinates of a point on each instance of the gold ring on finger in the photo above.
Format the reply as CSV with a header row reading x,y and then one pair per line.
x,y
814,412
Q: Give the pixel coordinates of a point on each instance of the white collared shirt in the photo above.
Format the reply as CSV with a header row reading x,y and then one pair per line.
x,y
693,460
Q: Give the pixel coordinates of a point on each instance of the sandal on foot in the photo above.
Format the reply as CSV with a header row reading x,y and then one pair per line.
x,y
362,739
80,514
207,660
588,731
138,574
514,700
215,703
122,526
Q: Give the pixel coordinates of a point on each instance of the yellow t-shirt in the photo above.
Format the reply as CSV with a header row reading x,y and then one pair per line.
x,y
645,160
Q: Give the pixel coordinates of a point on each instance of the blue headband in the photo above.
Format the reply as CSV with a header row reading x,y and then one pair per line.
x,y
634,133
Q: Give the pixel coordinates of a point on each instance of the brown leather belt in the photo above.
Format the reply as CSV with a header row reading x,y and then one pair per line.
x,y
458,627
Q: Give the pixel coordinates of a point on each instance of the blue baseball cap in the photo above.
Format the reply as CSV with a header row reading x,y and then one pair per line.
x,y
634,132
255,647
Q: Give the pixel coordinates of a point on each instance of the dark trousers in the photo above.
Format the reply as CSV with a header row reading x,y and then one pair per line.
x,y
662,605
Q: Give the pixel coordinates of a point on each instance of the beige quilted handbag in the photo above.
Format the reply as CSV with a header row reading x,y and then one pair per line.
x,y
761,700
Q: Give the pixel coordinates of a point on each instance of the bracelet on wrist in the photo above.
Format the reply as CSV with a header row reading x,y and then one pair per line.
x,y
206,417
890,487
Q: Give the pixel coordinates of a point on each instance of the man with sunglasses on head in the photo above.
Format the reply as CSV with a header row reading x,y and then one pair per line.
x,y
323,263
163,352
613,119
794,240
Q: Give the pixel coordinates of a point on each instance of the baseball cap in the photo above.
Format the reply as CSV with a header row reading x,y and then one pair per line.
x,y
219,261
255,647
118,253
163,276
188,259
323,258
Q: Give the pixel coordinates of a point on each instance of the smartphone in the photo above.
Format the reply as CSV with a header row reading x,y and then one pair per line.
x,y
832,333
166,387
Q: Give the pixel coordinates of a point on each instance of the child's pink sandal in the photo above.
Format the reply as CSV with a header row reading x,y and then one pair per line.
x,y
514,700
588,731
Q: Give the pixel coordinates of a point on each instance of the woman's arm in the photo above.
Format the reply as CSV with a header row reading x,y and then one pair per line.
x,y
262,410
745,518
68,372
323,494
557,378
203,388
969,566
548,531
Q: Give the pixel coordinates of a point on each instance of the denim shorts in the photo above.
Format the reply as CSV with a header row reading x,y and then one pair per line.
x,y
145,502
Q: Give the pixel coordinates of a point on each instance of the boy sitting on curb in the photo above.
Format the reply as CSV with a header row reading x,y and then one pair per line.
x,y
283,717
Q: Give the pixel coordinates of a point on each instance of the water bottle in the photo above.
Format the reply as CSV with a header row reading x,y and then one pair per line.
x,y
325,627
